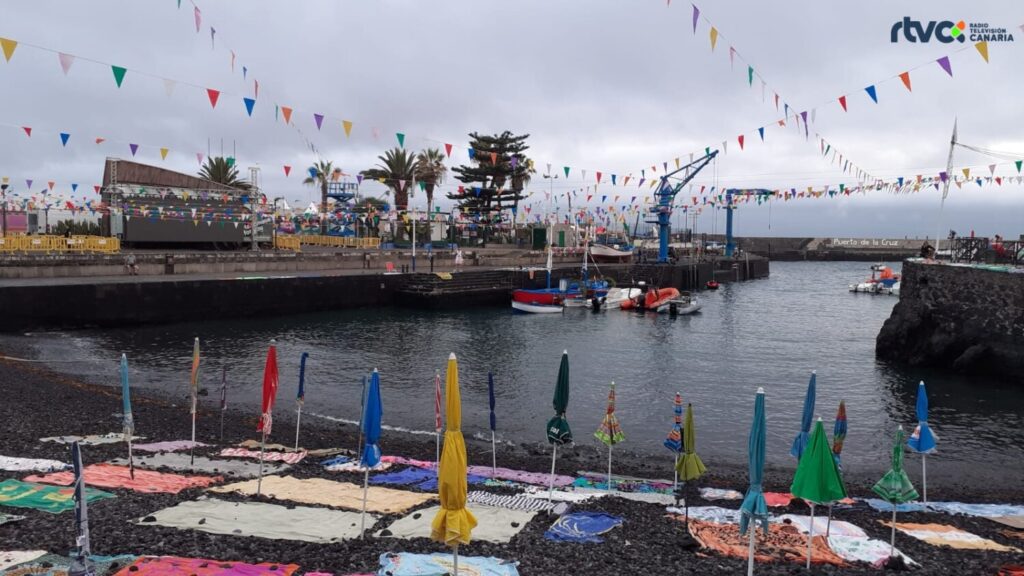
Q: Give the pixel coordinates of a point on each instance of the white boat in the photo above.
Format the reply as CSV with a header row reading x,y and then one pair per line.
x,y
882,281
682,306
606,253
614,297
528,308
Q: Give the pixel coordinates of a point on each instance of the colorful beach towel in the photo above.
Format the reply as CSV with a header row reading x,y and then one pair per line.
x,y
510,502
356,466
55,565
563,495
148,481
12,464
623,486
182,463
714,514
15,557
720,494
5,518
883,506
335,460
92,439
978,510
1011,521
174,566
777,499
582,527
874,552
287,457
52,499
781,544
169,446
330,493
300,523
406,564
535,478
821,523
945,535
255,445
498,525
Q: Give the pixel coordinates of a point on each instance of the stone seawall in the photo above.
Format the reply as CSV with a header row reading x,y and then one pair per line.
x,y
969,319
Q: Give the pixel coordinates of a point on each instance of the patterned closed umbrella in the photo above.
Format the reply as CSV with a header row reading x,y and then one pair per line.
x,y
126,408
610,432
674,441
806,419
690,466
895,487
558,430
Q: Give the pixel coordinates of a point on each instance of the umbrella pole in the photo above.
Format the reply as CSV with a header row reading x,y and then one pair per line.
x,y
810,537
924,477
362,518
609,467
828,526
455,560
192,449
675,474
259,482
551,480
222,425
494,456
298,422
892,539
131,462
437,451
750,550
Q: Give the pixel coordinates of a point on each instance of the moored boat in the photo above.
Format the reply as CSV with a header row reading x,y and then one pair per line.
x,y
650,299
685,304
607,253
528,308
711,285
883,281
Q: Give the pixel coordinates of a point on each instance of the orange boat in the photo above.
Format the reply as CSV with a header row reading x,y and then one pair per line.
x,y
650,299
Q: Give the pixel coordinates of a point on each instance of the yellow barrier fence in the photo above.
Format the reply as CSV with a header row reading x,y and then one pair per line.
x,y
340,241
287,243
59,244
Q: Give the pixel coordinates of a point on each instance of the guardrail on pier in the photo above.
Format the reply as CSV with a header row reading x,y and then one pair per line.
x,y
59,244
340,241
984,250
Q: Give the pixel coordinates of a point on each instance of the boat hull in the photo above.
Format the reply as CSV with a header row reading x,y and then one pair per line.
x,y
602,253
525,308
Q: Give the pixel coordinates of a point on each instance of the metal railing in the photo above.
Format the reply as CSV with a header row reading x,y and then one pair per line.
x,y
340,241
59,244
287,243
984,250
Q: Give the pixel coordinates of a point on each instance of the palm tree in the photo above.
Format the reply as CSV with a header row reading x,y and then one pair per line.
x,y
222,171
319,175
430,170
396,169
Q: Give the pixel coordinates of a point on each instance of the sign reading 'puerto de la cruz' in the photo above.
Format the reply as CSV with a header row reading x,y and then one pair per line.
x,y
870,243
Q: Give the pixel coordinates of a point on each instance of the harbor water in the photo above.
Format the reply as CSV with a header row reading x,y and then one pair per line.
x,y
767,333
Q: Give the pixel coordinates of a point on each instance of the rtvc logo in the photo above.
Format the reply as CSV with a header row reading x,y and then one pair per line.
x,y
914,31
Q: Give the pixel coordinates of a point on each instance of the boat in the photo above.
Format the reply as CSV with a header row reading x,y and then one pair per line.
x,y
610,253
883,281
650,298
528,308
711,285
685,304
612,299
570,293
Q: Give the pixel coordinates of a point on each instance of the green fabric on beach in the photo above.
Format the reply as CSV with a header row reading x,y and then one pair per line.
x,y
52,499
895,486
690,466
817,477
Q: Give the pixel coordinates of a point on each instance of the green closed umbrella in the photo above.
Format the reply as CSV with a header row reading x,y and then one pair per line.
x,y
895,487
689,466
558,427
817,479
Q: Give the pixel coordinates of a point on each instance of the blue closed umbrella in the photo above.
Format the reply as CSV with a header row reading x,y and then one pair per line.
x,y
494,423
373,411
80,563
129,422
754,507
922,440
806,419
300,397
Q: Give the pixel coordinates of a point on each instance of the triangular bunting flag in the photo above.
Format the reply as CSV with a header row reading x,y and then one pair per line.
x,y
28,130
566,169
249,103
119,73
64,136
100,140
287,113
448,150
134,148
66,60
8,47
598,177
982,49
944,62
740,139
761,132
347,125
1019,163
714,37
199,158
842,102
906,80
319,119
287,171
163,153
696,14
401,139
214,95
198,18
494,157
750,75
871,92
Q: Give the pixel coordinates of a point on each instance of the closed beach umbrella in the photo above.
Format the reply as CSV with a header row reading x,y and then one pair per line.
x,y
194,392
817,479
674,441
300,397
223,398
610,432
754,507
126,410
895,487
437,418
922,440
494,423
800,442
558,427
270,383
453,524
373,412
80,563
690,466
839,433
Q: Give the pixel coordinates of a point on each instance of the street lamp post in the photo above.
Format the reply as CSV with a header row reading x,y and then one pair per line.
x,y
3,191
273,221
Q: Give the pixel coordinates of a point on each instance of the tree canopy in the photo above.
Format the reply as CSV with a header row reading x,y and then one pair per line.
x,y
495,178
222,171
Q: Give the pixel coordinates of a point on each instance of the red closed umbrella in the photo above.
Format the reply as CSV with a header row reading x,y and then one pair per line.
x,y
270,382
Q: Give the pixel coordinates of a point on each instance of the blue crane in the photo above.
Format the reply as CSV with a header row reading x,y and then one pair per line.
x,y
730,245
666,194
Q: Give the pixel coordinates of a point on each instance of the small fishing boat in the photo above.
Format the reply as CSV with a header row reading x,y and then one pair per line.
x,y
711,285
610,253
685,304
612,299
528,308
650,299
883,281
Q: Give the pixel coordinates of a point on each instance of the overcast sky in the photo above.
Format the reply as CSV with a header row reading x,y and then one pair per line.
x,y
599,85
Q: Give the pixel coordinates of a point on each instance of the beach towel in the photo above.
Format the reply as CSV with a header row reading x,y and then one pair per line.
x,y
182,463
55,565
715,514
331,493
979,510
781,544
288,457
821,523
945,535
173,566
110,476
430,484
92,439
883,506
335,460
406,564
777,499
169,446
5,518
12,464
1011,521
1011,570
510,502
301,523
874,552
535,478
498,525
15,557
563,495
255,445
52,499
1012,534
582,527
720,494
356,466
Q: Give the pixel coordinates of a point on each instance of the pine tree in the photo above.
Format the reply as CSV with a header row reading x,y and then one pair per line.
x,y
496,177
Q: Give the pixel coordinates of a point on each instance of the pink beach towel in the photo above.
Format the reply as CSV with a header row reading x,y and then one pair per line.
x,y
110,476
174,566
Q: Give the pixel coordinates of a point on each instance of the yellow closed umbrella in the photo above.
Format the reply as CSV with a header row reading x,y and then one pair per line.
x,y
453,523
